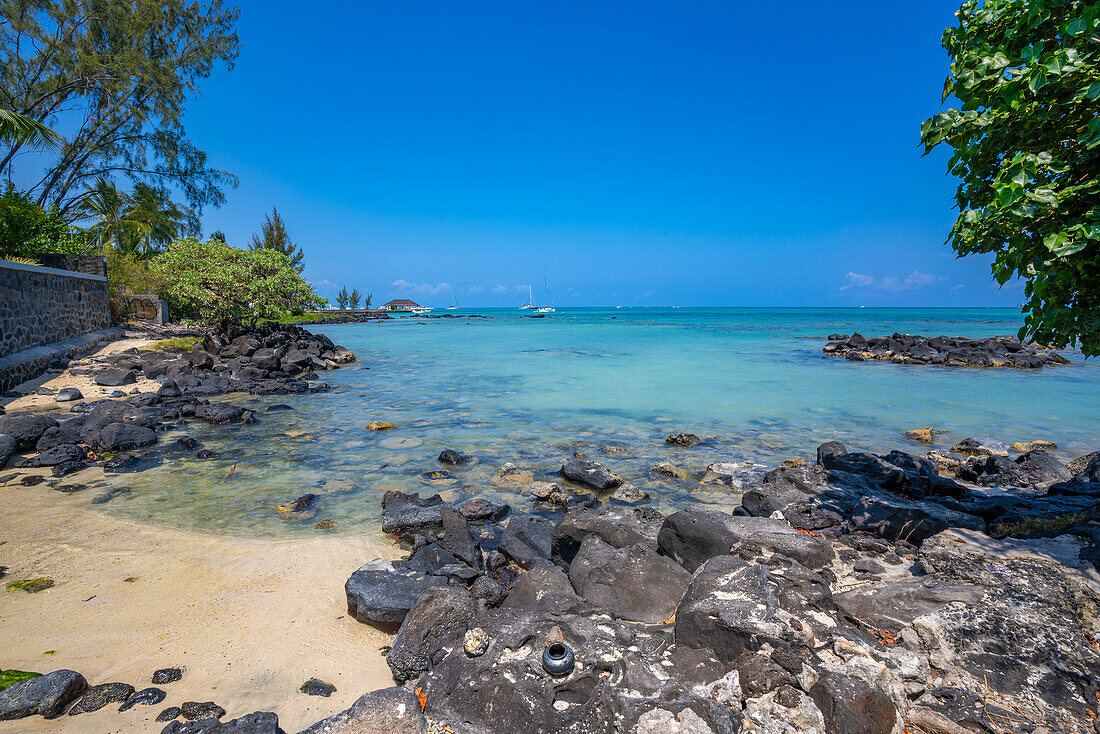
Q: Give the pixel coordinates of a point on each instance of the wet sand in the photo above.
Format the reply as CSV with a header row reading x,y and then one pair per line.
x,y
249,619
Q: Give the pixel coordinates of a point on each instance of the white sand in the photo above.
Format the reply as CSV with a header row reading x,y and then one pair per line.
x,y
248,619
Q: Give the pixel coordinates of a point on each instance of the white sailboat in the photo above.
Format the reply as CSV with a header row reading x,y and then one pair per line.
x,y
530,300
549,307
454,302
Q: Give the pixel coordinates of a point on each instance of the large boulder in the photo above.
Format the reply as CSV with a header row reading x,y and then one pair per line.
x,y
404,514
528,539
591,474
223,413
115,377
850,705
732,607
1026,638
25,428
260,722
545,589
456,538
60,454
437,619
896,603
1041,468
380,595
895,519
632,583
57,435
121,436
8,447
691,537
616,526
385,711
47,695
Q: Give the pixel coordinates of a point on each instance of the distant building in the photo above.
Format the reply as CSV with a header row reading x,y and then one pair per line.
x,y
400,304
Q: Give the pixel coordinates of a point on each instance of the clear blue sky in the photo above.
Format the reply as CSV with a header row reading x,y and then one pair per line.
x,y
700,153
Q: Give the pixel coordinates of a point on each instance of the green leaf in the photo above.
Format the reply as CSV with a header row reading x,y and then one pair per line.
x,y
1093,91
1038,81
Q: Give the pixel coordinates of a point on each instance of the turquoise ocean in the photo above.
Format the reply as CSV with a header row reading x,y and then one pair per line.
x,y
608,383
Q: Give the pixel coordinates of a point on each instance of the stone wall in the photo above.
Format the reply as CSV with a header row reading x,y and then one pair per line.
x,y
40,305
87,264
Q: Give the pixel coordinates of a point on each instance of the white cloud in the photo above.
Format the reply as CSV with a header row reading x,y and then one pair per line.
x,y
856,280
960,286
475,289
422,288
891,283
325,284
500,290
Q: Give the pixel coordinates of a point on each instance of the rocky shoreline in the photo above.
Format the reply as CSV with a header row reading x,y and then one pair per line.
x,y
949,592
956,351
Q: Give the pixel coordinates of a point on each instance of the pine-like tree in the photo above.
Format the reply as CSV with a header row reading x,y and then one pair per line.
x,y
342,297
354,298
273,236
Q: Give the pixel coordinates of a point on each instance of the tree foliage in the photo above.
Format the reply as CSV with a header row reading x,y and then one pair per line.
x,y
342,298
27,229
117,72
224,286
273,236
354,298
1026,140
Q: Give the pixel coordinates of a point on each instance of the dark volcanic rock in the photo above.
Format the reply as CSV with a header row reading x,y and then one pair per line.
x,y
456,538
46,695
60,454
437,619
591,474
1041,469
121,463
316,687
99,696
451,457
380,595
545,589
992,470
115,377
830,449
57,435
616,526
897,519
632,583
144,697
851,705
196,710
25,428
997,351
122,436
7,448
387,711
260,722
167,675
895,604
223,413
528,539
682,439
409,513
691,537
68,394
172,712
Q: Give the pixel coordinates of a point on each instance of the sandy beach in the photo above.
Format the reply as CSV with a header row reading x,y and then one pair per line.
x,y
249,620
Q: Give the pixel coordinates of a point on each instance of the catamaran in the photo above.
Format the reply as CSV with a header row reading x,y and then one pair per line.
x,y
549,307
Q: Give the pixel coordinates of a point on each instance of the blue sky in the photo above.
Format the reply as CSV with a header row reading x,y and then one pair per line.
x,y
700,153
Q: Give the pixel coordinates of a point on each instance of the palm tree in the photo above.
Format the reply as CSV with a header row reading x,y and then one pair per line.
x,y
156,218
105,203
16,128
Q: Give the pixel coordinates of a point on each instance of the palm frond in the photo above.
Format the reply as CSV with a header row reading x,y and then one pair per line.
x,y
16,128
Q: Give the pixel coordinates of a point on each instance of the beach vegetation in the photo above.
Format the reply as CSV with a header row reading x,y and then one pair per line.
x,y
1025,137
118,76
183,342
9,678
20,129
225,287
31,586
273,236
342,298
354,298
26,229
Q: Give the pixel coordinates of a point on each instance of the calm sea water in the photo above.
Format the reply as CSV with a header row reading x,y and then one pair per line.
x,y
610,383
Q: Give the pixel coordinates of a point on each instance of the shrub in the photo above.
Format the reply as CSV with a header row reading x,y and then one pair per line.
x,y
225,287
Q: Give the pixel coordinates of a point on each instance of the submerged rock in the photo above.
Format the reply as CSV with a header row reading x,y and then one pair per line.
x,y
404,513
591,474
682,439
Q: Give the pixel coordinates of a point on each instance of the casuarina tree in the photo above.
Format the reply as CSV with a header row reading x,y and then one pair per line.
x,y
273,236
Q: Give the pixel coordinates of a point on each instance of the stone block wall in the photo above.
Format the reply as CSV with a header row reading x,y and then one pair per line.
x,y
41,305
87,264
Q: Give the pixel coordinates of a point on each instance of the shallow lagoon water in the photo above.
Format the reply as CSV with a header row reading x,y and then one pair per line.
x,y
610,383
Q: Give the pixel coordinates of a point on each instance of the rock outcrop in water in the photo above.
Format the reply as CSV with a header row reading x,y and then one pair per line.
x,y
951,351
861,593
270,359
